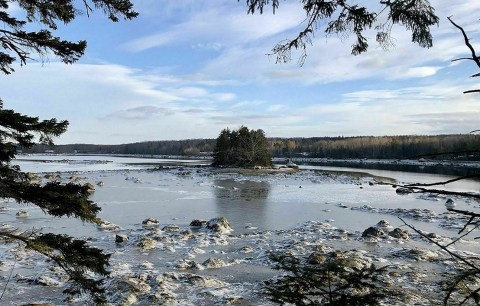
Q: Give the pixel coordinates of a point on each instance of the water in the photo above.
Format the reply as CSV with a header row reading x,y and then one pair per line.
x,y
264,210
132,193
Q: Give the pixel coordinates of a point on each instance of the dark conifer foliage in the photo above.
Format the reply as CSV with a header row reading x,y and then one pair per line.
x,y
340,18
338,280
242,148
20,44
85,265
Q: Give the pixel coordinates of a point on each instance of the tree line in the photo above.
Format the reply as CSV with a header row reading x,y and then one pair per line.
x,y
463,145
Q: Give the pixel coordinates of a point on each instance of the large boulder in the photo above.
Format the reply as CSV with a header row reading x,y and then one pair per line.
x,y
121,238
403,191
198,223
399,234
47,281
147,243
450,204
22,214
171,228
374,232
383,224
108,226
90,187
316,258
214,263
219,225
150,222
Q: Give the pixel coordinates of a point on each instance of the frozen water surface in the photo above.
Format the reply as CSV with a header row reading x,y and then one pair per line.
x,y
266,212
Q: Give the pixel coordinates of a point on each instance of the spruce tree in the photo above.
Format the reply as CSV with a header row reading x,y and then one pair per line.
x,y
242,148
85,265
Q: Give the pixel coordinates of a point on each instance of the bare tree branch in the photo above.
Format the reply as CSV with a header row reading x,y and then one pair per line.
x,y
467,42
444,182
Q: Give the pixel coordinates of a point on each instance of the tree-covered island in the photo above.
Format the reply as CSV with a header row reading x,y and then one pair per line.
x,y
242,148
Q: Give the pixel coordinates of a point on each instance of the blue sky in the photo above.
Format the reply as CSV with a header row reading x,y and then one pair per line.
x,y
188,69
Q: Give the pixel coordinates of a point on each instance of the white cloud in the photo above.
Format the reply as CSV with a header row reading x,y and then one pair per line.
x,y
226,79
105,100
223,22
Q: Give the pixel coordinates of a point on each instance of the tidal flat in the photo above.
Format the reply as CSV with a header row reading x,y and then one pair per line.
x,y
162,257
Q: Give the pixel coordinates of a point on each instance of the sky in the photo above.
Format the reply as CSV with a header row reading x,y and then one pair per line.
x,y
188,69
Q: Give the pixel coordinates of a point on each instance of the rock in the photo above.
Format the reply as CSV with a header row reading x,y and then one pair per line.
x,y
147,265
399,234
201,281
47,281
90,187
246,249
449,204
75,178
316,258
147,243
323,249
171,228
22,214
187,265
165,297
186,234
373,232
214,263
108,226
121,238
383,224
291,164
50,177
348,259
138,285
150,222
33,178
403,191
130,300
433,236
418,254
219,225
198,223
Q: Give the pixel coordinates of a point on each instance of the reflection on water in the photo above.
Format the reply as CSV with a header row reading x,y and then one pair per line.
x,y
236,198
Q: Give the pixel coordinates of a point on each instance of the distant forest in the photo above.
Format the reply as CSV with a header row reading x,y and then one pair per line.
x,y
383,147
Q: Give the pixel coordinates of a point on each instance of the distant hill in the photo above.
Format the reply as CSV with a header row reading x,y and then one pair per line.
x,y
465,147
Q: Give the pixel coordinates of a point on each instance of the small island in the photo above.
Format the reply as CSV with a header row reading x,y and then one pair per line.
x,y
242,148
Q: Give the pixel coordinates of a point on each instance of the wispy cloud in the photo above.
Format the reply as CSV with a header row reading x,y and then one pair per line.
x,y
139,113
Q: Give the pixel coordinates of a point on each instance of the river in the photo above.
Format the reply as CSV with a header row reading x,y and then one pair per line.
x,y
265,211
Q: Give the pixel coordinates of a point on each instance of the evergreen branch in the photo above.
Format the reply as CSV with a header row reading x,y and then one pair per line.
x,y
73,256
54,198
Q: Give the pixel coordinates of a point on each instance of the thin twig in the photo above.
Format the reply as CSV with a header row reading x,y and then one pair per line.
x,y
9,277
456,256
445,182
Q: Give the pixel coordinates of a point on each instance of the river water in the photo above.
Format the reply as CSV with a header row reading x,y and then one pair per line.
x,y
180,191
